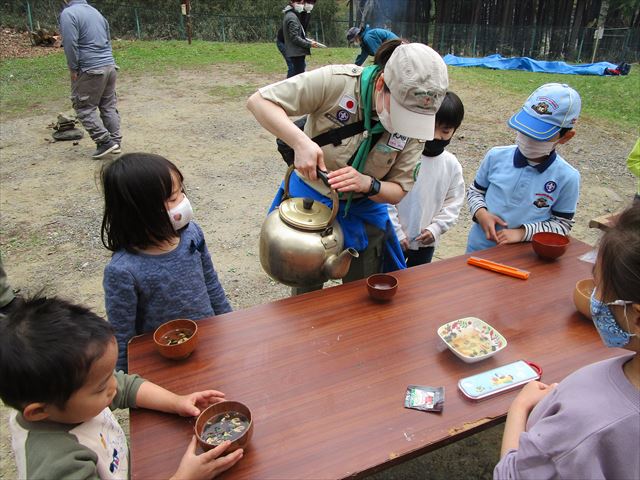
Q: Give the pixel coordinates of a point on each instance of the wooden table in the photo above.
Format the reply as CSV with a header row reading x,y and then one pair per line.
x,y
325,373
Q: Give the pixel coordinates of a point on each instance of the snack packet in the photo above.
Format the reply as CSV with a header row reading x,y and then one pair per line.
x,y
427,399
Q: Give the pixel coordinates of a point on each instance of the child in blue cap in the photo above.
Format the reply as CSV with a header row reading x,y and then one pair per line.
x,y
526,188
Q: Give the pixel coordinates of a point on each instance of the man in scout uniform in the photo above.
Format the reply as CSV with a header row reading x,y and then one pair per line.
x,y
397,98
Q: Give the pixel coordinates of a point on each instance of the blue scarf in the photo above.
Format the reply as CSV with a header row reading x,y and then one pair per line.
x,y
360,212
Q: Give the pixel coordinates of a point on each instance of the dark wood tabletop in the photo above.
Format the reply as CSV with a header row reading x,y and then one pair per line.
x,y
325,373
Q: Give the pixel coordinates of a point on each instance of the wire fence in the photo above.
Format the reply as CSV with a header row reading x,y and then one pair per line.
x,y
128,20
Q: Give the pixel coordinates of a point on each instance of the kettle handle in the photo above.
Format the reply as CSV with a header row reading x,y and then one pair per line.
x,y
335,202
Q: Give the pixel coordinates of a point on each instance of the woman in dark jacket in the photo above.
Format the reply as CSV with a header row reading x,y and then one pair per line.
x,y
296,44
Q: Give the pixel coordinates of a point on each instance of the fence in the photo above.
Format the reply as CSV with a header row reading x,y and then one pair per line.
x,y
128,20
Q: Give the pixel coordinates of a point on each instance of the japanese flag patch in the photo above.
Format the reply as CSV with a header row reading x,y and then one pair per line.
x,y
349,103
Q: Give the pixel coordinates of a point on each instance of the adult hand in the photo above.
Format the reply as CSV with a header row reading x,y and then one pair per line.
x,y
404,243
191,405
510,235
531,395
308,156
206,465
74,75
425,238
487,222
348,179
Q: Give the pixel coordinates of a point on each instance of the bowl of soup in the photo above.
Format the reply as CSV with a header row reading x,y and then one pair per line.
x,y
382,287
226,420
471,339
176,339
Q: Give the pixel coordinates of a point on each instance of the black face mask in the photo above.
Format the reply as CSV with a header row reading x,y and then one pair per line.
x,y
433,148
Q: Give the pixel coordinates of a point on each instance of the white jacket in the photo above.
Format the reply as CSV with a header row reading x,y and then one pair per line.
x,y
433,203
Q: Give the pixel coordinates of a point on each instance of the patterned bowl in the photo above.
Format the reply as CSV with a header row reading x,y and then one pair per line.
x,y
471,339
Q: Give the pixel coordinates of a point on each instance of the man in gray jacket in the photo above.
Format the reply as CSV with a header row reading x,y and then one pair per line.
x,y
87,46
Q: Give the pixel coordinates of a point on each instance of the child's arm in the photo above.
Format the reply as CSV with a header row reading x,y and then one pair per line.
x,y
217,296
519,412
121,303
395,221
154,397
480,212
451,206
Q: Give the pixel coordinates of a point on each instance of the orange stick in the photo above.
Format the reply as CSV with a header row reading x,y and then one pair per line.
x,y
498,267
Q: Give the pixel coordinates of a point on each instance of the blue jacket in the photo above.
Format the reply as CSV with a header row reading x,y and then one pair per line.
x,y
370,41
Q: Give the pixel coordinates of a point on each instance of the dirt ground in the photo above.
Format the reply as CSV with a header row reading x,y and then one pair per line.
x,y
51,207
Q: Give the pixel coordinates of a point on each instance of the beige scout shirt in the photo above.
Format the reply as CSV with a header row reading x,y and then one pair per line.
x,y
331,97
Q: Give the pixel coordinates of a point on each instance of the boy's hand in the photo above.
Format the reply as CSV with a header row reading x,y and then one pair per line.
x,y
190,405
531,395
425,238
487,222
206,465
510,235
404,244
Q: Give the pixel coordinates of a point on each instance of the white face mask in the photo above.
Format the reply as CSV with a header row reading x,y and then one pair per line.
x,y
298,7
384,116
308,7
531,148
181,214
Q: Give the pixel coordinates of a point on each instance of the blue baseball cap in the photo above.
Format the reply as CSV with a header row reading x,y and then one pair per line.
x,y
551,107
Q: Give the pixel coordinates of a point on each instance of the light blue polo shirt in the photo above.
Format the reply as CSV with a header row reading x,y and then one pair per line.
x,y
520,193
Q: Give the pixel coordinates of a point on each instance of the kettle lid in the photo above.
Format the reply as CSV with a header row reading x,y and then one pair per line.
x,y
305,214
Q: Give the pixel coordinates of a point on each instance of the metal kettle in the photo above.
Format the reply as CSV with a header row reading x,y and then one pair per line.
x,y
300,242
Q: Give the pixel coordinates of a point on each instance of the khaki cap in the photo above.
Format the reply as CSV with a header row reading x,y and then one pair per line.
x,y
417,78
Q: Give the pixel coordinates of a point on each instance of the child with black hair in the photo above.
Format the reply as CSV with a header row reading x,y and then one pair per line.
x,y
161,268
57,365
433,204
588,425
526,188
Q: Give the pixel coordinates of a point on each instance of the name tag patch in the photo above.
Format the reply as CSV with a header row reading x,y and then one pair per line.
x,y
349,103
397,141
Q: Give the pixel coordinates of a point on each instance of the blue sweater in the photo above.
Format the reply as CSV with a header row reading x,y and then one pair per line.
x,y
371,39
143,291
85,37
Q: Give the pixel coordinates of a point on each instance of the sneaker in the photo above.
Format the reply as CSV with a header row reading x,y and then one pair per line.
x,y
116,151
104,148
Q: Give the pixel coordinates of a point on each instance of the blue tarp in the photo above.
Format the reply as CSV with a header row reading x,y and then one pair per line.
x,y
498,62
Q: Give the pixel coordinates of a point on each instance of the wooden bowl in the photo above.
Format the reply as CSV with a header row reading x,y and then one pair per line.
x,y
582,296
549,245
217,409
180,350
382,287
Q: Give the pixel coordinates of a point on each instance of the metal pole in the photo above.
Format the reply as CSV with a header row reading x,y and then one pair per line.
x,y
580,47
224,37
29,17
135,10
189,21
595,46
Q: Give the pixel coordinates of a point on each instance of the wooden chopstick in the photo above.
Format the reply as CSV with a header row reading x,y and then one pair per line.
x,y
498,267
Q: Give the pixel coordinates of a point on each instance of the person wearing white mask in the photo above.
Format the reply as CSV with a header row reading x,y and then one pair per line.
x,y
296,44
395,102
160,268
526,188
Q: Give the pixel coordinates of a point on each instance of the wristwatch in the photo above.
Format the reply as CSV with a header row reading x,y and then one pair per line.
x,y
374,189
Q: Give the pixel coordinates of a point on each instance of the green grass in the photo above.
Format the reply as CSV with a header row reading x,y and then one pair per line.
x,y
612,99
28,85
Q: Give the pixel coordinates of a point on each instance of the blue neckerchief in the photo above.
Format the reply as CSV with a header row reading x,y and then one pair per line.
x,y
520,161
360,212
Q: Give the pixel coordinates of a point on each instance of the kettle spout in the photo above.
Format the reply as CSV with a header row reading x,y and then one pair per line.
x,y
337,266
